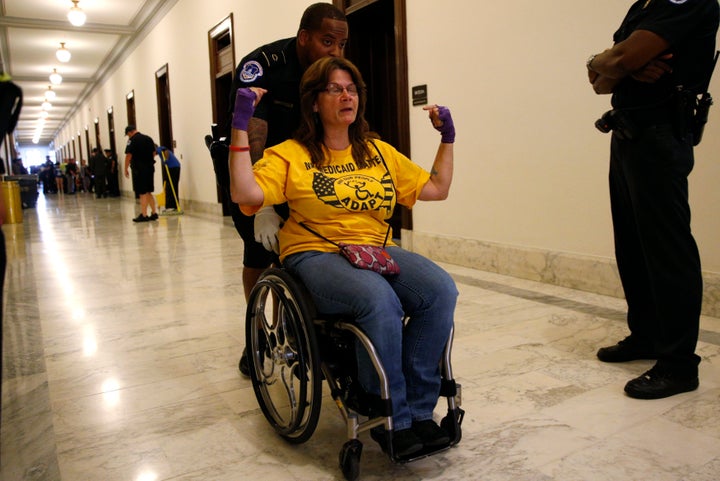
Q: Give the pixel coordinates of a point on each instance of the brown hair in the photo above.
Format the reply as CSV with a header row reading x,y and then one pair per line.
x,y
311,133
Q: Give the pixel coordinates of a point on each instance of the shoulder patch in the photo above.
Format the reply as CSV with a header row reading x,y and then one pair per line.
x,y
251,71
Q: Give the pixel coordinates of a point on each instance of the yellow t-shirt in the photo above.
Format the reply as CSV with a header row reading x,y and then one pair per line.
x,y
337,200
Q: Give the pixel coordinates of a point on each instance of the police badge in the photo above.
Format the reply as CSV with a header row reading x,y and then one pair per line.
x,y
251,71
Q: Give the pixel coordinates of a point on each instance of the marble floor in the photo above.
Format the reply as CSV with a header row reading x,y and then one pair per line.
x,y
120,350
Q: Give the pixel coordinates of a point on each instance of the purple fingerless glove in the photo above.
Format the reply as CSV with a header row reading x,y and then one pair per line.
x,y
244,108
447,129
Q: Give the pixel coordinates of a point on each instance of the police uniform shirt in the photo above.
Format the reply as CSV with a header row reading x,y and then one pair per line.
x,y
276,68
689,26
142,149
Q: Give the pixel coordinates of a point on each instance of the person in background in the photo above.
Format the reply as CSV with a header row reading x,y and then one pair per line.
x,y
60,176
98,166
661,60
140,155
18,168
47,177
278,67
113,183
342,185
72,174
85,176
172,192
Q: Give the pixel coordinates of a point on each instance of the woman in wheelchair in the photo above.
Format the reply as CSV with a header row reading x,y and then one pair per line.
x,y
342,184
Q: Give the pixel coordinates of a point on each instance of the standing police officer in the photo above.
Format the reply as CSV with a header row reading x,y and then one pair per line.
x,y
661,60
278,68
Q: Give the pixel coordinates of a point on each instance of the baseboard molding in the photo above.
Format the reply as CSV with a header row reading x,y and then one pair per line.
x,y
195,207
587,273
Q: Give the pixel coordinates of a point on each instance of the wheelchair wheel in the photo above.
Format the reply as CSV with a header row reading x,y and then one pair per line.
x,y
350,459
283,355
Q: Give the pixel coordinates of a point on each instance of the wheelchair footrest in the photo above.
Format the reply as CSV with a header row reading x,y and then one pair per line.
x,y
383,439
424,453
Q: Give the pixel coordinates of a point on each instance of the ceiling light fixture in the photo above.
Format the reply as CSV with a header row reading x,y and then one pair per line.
x,y
76,16
46,105
50,94
63,54
55,77
44,115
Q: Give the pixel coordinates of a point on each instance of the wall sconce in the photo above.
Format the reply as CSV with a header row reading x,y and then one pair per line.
x,y
76,16
55,77
63,54
50,94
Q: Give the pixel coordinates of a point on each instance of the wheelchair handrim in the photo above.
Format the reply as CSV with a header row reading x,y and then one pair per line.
x,y
281,355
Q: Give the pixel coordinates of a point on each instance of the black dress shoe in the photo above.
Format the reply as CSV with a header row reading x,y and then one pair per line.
x,y
624,351
660,383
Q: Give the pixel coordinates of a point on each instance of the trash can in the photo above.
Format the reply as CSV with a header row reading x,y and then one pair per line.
x,y
11,199
28,188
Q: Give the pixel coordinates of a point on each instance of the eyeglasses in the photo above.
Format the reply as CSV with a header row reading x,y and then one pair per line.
x,y
337,89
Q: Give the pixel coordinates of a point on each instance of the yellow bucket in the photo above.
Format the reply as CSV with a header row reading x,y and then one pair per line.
x,y
160,199
12,201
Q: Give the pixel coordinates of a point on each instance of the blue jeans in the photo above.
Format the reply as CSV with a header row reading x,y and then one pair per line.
x,y
411,355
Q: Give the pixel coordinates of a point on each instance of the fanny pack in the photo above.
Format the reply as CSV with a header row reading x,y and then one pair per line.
x,y
365,256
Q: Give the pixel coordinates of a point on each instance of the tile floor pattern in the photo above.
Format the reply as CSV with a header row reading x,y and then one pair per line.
x,y
121,343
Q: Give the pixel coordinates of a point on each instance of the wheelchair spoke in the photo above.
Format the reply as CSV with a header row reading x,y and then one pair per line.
x,y
288,377
264,332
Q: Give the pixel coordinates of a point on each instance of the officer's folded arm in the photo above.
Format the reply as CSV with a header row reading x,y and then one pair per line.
x,y
639,56
631,55
604,85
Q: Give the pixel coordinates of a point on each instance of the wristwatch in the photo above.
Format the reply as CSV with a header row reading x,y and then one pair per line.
x,y
589,62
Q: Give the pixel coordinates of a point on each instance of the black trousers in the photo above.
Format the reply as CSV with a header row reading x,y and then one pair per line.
x,y
113,184
173,183
100,184
656,253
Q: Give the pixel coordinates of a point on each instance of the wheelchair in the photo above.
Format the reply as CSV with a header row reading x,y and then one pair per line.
x,y
292,348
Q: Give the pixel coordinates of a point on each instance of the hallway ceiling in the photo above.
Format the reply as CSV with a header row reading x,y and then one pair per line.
x,y
31,32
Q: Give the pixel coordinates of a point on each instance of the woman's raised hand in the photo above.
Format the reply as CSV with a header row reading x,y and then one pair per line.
x,y
245,101
443,122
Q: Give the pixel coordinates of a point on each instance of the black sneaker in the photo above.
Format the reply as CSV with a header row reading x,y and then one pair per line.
x,y
153,216
405,442
660,383
141,218
430,433
624,351
243,365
